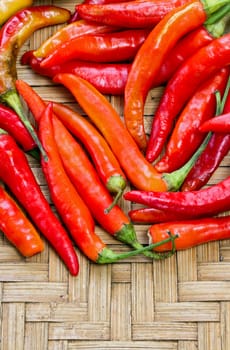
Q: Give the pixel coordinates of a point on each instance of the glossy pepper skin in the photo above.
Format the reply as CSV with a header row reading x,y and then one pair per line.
x,y
69,32
108,78
17,228
220,123
130,14
68,202
206,61
139,171
104,160
10,122
151,215
191,233
13,34
185,137
16,173
215,151
10,7
208,201
107,47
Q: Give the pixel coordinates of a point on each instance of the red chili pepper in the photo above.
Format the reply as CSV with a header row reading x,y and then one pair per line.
x,y
131,14
16,173
208,201
69,32
151,215
17,228
140,172
12,36
144,70
217,124
185,137
106,164
192,73
10,7
209,160
10,122
107,47
68,202
108,78
191,233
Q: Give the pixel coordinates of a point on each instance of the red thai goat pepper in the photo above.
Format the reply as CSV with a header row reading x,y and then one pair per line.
x,y
13,34
10,122
108,78
106,47
215,151
192,73
69,32
71,207
191,233
147,215
217,124
185,137
106,164
208,201
16,173
17,228
139,171
131,14
151,55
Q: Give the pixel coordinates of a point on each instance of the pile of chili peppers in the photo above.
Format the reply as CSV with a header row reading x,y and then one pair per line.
x,y
110,47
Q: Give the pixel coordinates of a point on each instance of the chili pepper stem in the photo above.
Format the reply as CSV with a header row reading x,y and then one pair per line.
x,y
108,256
223,13
211,6
116,184
115,201
12,99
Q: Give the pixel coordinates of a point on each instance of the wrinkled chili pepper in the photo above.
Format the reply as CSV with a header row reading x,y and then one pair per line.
x,y
191,233
17,228
185,137
158,44
192,73
151,215
106,47
16,173
10,122
69,32
108,78
106,164
12,36
217,124
10,7
208,201
68,202
216,149
139,171
131,14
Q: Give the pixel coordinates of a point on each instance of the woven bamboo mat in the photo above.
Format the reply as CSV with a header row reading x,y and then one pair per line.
x,y
182,303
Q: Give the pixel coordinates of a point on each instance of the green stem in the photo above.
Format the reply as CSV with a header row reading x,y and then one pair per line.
x,y
116,184
12,99
222,13
108,256
216,25
211,6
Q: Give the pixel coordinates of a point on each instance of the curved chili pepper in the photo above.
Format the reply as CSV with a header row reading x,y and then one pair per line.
x,y
106,164
185,137
131,14
12,36
160,41
69,32
10,7
16,173
151,215
10,122
220,123
108,78
139,171
208,201
204,62
17,228
106,47
191,233
69,204
216,149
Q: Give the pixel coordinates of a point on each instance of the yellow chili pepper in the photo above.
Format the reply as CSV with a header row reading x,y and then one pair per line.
x,y
10,7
